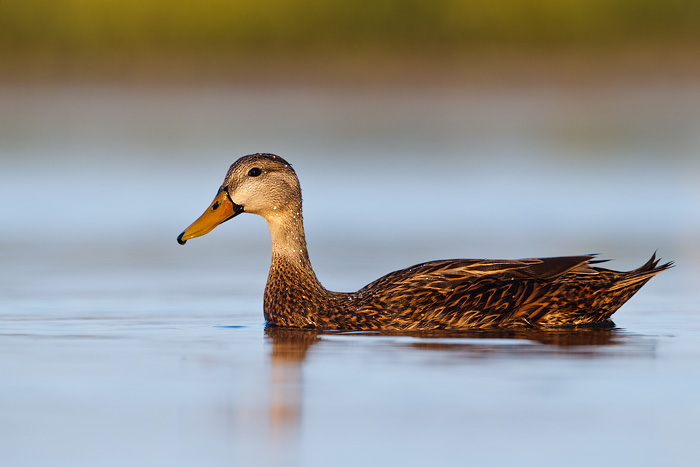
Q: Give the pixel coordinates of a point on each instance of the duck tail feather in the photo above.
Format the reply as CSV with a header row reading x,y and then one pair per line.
x,y
652,266
643,273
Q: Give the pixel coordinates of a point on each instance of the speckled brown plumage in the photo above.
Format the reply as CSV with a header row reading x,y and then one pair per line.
x,y
458,294
437,295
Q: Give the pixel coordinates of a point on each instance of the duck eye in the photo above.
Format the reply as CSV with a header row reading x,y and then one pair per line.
x,y
254,172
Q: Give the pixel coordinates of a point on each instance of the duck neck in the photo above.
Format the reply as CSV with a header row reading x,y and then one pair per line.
x,y
293,294
289,241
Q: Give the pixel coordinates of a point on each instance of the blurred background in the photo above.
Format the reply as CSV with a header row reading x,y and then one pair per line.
x,y
406,41
419,130
519,128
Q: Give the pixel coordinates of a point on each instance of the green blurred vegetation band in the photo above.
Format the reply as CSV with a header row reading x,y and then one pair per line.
x,y
240,26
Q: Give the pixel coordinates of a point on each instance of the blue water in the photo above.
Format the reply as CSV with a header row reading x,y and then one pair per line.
x,y
120,347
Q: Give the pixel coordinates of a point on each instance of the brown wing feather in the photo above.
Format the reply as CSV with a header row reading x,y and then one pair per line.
x,y
453,294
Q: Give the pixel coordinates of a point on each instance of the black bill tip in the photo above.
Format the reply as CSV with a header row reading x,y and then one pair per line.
x,y
180,240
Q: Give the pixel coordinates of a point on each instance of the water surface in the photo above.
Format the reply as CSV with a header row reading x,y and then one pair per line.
x,y
120,347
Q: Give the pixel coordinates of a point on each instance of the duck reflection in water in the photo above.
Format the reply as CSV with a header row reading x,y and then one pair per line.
x,y
288,351
288,348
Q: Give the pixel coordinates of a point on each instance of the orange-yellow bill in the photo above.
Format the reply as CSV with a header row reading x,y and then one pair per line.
x,y
220,210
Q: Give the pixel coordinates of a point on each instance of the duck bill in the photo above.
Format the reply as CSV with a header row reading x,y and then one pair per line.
x,y
219,211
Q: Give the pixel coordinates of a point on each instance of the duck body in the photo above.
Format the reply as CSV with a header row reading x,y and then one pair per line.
x,y
447,294
458,295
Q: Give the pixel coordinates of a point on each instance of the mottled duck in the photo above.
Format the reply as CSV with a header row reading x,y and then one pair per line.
x,y
448,294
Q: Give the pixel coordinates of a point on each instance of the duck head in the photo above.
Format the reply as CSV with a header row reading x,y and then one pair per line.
x,y
262,184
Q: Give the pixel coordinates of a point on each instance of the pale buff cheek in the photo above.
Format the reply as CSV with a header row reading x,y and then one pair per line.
x,y
250,199
273,200
255,205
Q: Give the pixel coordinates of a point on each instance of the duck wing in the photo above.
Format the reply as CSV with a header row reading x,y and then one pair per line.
x,y
467,293
446,272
